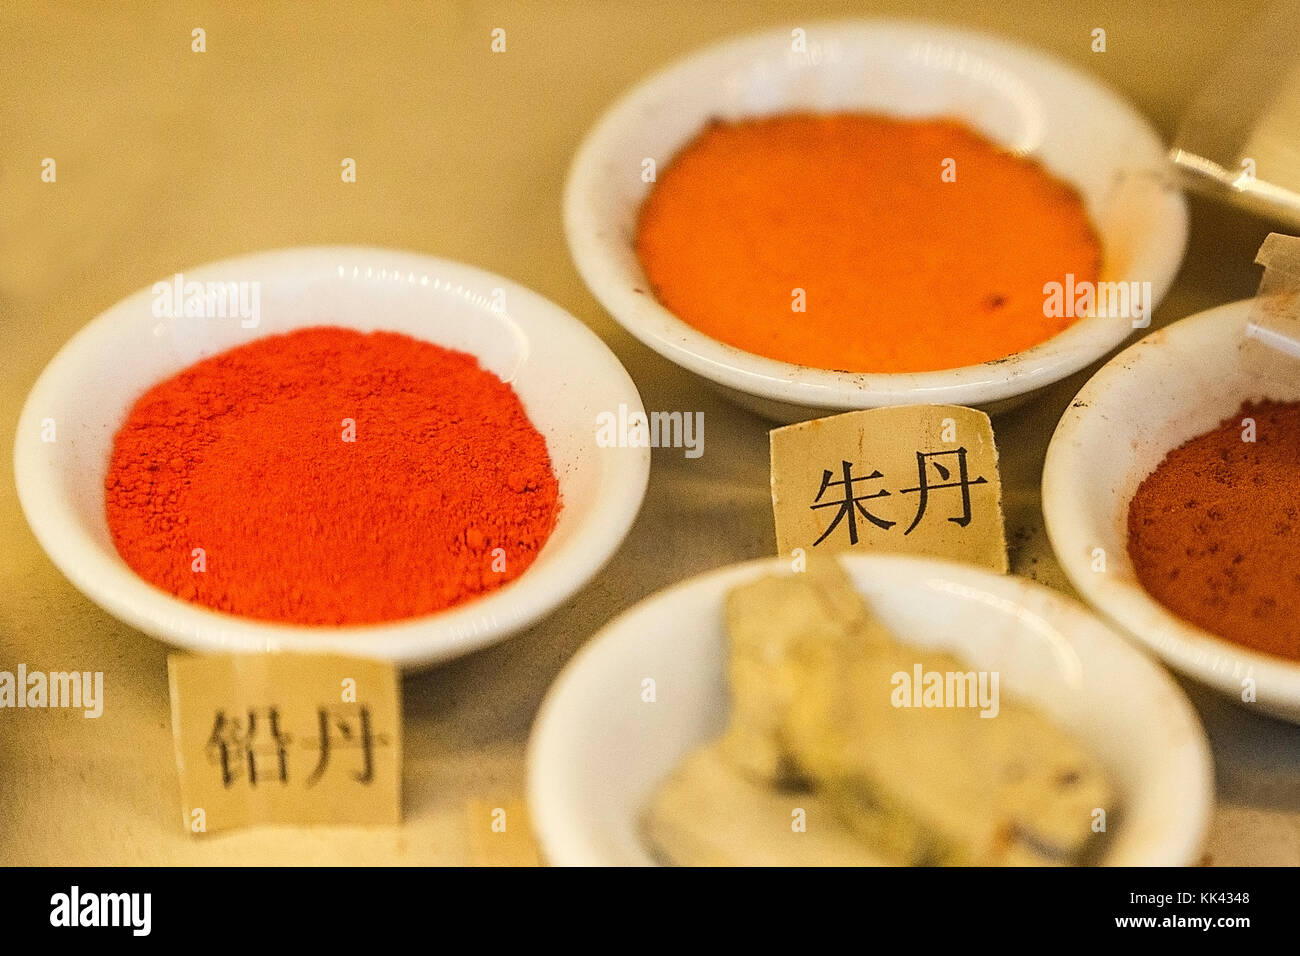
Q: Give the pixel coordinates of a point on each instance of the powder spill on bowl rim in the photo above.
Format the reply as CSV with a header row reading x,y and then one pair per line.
x,y
900,270
234,483
1214,530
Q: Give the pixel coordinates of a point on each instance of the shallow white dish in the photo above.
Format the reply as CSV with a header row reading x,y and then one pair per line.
x,y
562,372
598,752
1025,100
1173,385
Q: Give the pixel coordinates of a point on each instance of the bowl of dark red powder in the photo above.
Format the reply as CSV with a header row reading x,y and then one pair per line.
x,y
1171,492
335,449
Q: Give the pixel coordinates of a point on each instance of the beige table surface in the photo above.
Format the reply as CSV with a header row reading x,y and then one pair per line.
x,y
167,159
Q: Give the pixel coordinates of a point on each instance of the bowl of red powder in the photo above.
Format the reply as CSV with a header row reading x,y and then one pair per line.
x,y
857,214
1169,493
353,450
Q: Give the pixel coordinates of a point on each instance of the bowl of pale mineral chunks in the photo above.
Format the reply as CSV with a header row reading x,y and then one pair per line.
x,y
856,214
835,718
1169,494
339,449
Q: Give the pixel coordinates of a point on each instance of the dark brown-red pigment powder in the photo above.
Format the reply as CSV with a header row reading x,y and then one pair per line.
x,y
1214,531
331,477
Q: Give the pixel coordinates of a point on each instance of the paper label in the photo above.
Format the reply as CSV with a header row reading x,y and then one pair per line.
x,y
286,738
1272,346
919,479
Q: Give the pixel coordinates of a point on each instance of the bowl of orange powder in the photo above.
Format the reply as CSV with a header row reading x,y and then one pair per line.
x,y
334,449
856,214
1169,494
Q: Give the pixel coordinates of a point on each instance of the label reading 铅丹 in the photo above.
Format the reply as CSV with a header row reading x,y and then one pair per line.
x,y
285,738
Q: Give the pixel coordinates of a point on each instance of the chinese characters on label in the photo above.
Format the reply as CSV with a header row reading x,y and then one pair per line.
x,y
253,748
850,505
286,738
920,479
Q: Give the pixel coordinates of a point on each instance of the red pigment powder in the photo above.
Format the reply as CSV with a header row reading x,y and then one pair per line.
x,y
330,477
1214,531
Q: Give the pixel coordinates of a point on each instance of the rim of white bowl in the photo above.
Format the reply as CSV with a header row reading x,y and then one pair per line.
x,y
1017,374
101,574
1210,659
563,833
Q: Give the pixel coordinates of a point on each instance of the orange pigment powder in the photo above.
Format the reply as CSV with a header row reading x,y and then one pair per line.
x,y
900,270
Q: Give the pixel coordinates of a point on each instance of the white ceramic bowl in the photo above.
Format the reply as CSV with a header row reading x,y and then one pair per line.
x,y
1173,385
1025,100
598,753
561,371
